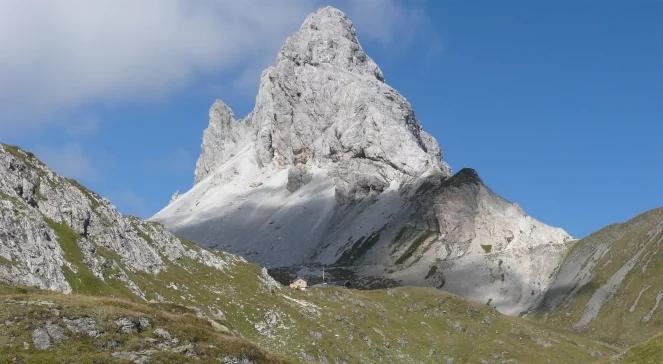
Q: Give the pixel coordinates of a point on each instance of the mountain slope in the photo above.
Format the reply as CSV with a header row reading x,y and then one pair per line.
x,y
332,167
189,303
648,352
58,235
45,327
611,283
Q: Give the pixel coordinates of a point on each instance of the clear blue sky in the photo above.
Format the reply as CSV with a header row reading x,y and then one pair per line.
x,y
557,104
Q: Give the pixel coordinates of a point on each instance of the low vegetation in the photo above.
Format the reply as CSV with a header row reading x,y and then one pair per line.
x,y
630,314
44,327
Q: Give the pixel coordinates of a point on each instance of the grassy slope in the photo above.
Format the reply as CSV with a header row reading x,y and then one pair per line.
x,y
397,325
648,352
616,324
25,310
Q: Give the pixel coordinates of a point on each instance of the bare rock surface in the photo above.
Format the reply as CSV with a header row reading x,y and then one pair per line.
x,y
51,225
333,167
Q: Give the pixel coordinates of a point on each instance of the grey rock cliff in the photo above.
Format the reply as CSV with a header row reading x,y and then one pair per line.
x,y
325,103
332,166
50,225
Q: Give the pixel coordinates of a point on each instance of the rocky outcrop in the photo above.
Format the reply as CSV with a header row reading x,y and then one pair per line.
x,y
52,228
333,167
324,103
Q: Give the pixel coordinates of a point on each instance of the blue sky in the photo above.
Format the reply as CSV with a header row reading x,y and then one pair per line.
x,y
557,104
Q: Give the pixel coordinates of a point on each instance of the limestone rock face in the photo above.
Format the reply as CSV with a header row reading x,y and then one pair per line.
x,y
333,167
50,225
324,102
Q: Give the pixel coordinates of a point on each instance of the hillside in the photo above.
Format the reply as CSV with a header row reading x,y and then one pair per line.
x,y
213,305
40,327
610,284
331,324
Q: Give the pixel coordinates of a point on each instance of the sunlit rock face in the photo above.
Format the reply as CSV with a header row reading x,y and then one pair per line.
x,y
333,167
53,231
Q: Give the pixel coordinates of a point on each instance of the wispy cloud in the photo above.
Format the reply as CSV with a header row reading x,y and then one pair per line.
x,y
59,55
389,22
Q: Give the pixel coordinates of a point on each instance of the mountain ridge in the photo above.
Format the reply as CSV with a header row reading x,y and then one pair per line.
x,y
183,310
332,163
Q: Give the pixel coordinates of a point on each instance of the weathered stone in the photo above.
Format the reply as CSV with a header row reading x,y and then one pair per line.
x,y
130,325
83,325
332,167
55,332
37,206
40,339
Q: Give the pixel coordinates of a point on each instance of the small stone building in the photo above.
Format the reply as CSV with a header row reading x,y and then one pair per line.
x,y
298,283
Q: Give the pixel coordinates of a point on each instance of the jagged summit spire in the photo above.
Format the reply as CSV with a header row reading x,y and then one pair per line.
x,y
333,167
324,103
328,38
330,19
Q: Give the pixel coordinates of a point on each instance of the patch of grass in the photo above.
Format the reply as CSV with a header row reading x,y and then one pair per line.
x,y
400,237
25,312
649,352
416,243
487,248
616,323
14,150
15,201
83,281
358,249
27,157
5,261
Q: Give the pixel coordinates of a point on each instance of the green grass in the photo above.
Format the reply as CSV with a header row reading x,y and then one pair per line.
x,y
27,157
83,281
14,150
416,243
358,250
5,261
615,323
400,237
396,325
649,352
26,311
487,248
407,324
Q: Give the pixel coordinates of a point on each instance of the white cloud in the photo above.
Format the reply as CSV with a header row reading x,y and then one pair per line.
x,y
58,55
388,22
69,160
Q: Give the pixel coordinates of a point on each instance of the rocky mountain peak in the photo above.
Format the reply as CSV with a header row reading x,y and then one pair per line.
x,y
328,38
333,167
464,177
324,104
